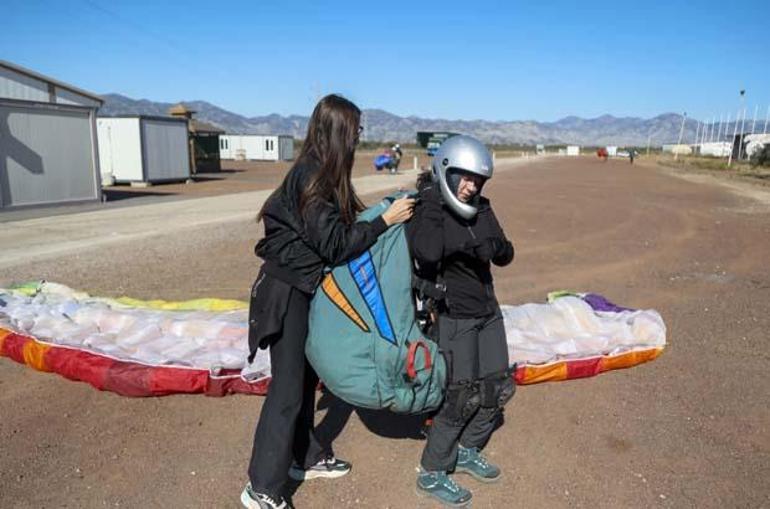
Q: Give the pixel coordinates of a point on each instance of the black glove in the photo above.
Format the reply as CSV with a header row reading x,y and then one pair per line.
x,y
483,249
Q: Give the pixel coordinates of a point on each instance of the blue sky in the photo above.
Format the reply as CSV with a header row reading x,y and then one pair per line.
x,y
469,60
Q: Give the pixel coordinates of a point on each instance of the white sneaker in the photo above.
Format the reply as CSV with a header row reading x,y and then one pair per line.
x,y
329,467
253,500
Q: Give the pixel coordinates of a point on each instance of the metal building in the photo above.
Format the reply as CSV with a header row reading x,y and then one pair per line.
x,y
143,149
423,137
256,147
204,141
573,150
48,147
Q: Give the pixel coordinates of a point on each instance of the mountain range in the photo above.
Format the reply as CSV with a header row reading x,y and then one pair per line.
x,y
383,126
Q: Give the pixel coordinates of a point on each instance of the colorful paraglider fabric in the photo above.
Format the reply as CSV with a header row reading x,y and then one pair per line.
x,y
150,348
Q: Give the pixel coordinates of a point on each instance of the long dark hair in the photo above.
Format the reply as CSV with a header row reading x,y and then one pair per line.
x,y
332,136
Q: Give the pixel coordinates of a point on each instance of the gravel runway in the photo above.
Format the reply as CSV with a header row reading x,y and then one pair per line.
x,y
687,430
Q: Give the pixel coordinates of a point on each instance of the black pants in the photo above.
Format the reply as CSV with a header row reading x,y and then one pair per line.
x,y
475,349
285,430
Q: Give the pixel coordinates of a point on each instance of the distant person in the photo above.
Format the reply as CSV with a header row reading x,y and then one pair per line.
x,y
602,154
310,224
396,154
631,155
454,238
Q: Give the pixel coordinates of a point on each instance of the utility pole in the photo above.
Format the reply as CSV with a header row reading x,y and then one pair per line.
x,y
735,131
719,129
710,132
681,133
764,131
743,125
697,134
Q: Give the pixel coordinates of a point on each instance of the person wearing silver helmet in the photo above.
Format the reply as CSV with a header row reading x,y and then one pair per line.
x,y
453,237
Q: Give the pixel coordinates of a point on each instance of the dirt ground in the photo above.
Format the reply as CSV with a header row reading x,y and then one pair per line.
x,y
235,177
687,430
241,176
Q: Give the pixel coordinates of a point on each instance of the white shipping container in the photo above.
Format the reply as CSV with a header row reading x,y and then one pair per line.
x,y
143,149
716,149
256,147
612,150
573,150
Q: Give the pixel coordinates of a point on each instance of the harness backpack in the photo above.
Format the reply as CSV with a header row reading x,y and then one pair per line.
x,y
364,341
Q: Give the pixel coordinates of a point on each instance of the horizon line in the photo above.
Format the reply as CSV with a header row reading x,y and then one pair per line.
x,y
680,115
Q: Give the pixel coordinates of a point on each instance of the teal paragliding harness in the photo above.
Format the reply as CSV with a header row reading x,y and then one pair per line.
x,y
364,340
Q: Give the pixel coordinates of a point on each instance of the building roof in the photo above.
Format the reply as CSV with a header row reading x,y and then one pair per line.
x,y
197,126
180,110
66,86
145,117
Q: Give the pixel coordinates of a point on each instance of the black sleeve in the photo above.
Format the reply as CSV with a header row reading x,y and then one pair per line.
x,y
504,250
337,242
426,229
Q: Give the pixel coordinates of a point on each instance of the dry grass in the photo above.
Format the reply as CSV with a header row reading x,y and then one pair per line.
x,y
717,165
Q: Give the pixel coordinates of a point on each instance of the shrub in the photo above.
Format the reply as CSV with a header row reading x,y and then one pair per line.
x,y
761,157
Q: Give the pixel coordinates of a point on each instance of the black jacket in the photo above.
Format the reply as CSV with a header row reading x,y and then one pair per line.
x,y
295,248
459,252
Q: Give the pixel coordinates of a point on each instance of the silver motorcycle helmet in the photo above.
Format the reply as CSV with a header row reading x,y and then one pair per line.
x,y
457,155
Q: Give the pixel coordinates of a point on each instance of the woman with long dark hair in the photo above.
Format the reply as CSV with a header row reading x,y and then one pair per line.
x,y
310,224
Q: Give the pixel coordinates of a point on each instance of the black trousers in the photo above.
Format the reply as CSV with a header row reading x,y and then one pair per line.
x,y
474,348
285,430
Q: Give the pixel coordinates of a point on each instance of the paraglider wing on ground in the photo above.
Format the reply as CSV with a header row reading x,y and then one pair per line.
x,y
362,337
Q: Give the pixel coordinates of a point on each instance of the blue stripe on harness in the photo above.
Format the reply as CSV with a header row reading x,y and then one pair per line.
x,y
362,270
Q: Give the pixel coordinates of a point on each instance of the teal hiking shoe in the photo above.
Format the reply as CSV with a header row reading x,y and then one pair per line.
x,y
439,486
472,462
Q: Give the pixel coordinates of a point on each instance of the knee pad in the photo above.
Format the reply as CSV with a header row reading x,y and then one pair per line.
x,y
496,390
462,400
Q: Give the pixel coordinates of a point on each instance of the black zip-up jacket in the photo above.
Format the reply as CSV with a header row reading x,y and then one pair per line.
x,y
459,251
295,248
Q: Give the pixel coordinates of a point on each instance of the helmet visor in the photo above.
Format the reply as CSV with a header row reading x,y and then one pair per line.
x,y
472,183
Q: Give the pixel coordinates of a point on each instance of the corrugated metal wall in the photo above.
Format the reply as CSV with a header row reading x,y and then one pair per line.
x,y
66,97
286,152
22,87
25,88
46,155
166,153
